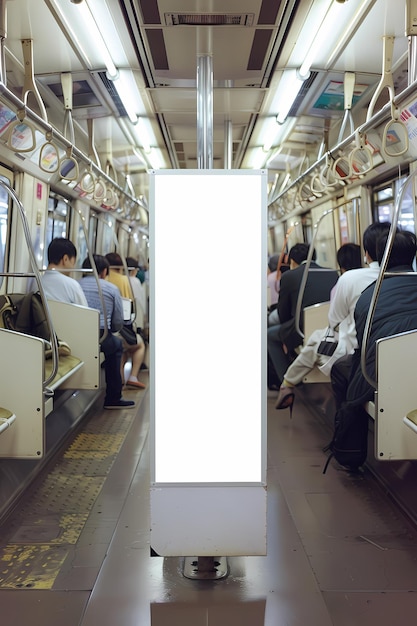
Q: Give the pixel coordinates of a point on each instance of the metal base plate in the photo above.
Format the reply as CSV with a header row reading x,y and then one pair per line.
x,y
205,567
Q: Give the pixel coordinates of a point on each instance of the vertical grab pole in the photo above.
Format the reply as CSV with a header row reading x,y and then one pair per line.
x,y
3,37
305,273
204,99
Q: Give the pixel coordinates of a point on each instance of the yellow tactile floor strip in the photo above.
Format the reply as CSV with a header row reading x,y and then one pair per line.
x,y
42,533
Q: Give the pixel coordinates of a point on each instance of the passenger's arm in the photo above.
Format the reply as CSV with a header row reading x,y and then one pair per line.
x,y
80,296
339,305
117,319
284,299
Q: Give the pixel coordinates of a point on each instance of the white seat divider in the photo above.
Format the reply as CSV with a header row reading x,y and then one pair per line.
x,y
21,390
79,327
396,398
24,372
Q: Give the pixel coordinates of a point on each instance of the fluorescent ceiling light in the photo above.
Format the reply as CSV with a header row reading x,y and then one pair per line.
x,y
90,27
269,130
316,36
289,86
330,19
142,133
126,90
257,158
155,159
97,38
278,134
310,31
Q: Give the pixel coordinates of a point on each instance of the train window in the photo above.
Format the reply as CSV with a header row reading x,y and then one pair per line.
x,y
108,234
92,231
57,222
384,198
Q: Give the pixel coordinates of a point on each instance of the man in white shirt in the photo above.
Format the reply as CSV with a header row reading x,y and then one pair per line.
x,y
349,288
57,285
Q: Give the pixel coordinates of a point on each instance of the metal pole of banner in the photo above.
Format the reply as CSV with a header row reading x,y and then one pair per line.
x,y
204,99
205,567
228,145
205,112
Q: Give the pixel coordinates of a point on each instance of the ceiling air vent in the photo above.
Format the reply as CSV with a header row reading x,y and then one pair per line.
x,y
209,19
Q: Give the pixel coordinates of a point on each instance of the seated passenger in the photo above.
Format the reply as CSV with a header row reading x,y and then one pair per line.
x,y
346,293
396,312
283,338
112,346
138,291
349,288
135,352
117,276
62,255
272,278
348,258
277,265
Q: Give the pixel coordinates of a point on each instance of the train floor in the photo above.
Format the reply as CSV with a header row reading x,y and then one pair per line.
x,y
76,550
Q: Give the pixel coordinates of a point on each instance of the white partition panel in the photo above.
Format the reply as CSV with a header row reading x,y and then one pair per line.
x,y
79,326
208,362
396,397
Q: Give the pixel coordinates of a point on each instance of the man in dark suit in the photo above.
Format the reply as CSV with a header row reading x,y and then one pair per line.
x,y
283,339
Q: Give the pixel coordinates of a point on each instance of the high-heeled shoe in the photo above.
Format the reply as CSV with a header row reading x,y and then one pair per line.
x,y
285,399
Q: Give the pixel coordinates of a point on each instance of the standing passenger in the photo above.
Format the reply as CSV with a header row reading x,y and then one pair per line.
x,y
112,346
62,255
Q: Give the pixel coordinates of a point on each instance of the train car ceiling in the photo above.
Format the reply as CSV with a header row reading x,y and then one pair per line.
x,y
262,52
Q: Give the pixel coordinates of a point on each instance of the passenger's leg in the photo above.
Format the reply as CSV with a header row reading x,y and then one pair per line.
x,y
137,354
279,359
305,361
273,380
112,349
123,362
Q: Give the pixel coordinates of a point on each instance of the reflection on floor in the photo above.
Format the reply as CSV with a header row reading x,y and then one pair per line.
x,y
339,552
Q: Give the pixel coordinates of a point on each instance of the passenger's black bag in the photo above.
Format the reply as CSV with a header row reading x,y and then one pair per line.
x,y
328,344
128,334
349,445
24,313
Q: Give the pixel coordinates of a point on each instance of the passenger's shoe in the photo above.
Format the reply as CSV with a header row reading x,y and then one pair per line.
x,y
285,399
135,383
120,404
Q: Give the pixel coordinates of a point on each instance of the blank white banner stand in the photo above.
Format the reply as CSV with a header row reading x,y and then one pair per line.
x,y
208,267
